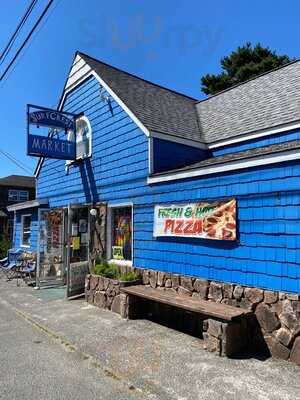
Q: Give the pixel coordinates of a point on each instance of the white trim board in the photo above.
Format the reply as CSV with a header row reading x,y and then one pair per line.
x,y
27,204
76,77
181,140
80,71
255,135
257,161
23,216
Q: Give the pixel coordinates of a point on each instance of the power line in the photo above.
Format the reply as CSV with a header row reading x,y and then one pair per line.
x,y
16,162
32,40
27,39
14,158
16,32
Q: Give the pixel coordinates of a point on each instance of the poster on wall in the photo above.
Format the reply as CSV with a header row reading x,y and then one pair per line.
x,y
206,220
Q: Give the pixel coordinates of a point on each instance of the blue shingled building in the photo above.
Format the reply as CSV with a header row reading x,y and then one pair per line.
x,y
141,145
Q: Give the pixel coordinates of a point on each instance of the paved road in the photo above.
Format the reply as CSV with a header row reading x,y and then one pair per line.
x,y
162,363
35,366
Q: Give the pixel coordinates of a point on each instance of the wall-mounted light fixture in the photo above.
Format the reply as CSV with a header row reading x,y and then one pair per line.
x,y
93,212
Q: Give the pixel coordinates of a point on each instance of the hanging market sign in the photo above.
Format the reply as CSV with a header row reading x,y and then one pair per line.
x,y
51,148
197,220
51,119
48,146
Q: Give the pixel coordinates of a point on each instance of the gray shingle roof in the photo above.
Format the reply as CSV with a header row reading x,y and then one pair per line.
x,y
241,155
158,108
269,100
266,101
18,180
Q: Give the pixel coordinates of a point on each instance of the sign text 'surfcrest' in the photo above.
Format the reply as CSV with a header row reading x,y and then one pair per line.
x,y
58,122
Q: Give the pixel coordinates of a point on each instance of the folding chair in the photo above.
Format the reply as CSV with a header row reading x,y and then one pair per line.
x,y
13,263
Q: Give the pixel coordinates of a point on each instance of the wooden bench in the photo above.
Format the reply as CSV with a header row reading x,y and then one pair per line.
x,y
224,326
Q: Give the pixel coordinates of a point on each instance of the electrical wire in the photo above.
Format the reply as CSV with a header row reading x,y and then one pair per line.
x,y
27,39
14,158
16,162
32,40
17,31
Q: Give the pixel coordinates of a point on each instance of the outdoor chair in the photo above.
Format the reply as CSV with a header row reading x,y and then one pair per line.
x,y
28,271
12,264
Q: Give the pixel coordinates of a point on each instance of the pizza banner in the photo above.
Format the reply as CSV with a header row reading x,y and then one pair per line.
x,y
204,220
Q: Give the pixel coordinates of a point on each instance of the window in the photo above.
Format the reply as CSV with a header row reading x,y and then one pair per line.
x,y
83,139
121,233
79,234
13,195
18,195
26,230
23,195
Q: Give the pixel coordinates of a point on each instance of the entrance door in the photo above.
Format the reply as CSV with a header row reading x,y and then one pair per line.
x,y
51,254
78,249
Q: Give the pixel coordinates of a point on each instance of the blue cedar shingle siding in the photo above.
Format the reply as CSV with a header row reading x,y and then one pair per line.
x,y
259,142
267,251
168,155
18,229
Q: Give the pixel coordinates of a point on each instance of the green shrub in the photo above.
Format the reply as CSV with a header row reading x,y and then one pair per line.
x,y
129,276
112,271
106,269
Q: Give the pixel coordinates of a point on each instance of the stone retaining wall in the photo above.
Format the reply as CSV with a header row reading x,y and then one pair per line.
x,y
274,328
105,293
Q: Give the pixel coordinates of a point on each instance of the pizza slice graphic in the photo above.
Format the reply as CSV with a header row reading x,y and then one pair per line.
x,y
222,223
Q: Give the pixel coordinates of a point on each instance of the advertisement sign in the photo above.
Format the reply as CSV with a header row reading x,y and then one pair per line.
x,y
42,124
197,220
50,147
51,119
77,274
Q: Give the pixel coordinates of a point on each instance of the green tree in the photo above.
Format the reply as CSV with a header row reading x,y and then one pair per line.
x,y
242,64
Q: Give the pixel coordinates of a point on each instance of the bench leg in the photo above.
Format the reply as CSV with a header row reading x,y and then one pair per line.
x,y
130,307
226,338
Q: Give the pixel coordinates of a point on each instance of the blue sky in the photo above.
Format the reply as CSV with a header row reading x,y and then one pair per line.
x,y
171,43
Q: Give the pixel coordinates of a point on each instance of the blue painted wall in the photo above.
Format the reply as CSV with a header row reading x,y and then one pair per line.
x,y
34,229
260,142
267,253
169,155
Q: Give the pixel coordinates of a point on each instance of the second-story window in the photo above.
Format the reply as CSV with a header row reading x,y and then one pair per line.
x,y
18,195
23,195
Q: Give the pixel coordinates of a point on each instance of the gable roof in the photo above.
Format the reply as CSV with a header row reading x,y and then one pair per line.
x,y
18,181
158,108
269,100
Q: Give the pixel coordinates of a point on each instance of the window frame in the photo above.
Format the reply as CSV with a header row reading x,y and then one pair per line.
x,y
9,197
110,208
27,195
17,193
22,231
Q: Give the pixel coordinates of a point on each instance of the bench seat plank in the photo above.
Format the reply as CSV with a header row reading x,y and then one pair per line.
x,y
204,307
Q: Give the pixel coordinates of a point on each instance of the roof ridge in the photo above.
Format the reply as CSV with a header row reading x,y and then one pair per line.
x,y
138,77
249,80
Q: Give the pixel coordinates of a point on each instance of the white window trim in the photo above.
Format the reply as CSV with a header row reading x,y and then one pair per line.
x,y
11,191
110,207
22,233
18,194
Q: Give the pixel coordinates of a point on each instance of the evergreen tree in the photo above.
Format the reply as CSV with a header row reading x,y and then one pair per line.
x,y
242,64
